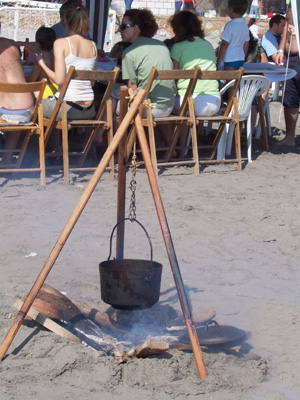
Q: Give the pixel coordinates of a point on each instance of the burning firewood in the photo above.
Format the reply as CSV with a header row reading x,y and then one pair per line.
x,y
55,306
145,350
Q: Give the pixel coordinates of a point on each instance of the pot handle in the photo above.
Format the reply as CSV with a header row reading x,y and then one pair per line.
x,y
142,226
209,323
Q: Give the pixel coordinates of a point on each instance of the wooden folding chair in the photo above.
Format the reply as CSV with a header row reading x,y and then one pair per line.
x,y
33,127
227,117
183,118
65,125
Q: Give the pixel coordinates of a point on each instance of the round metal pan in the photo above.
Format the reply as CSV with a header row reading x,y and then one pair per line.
x,y
213,334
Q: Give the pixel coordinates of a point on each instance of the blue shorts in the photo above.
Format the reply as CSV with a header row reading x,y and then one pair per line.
x,y
234,64
16,116
291,97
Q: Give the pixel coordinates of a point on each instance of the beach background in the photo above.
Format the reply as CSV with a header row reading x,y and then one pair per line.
x,y
236,237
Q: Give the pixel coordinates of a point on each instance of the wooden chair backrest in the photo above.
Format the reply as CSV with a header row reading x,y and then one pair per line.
x,y
193,75
26,88
59,101
175,74
110,76
226,76
92,75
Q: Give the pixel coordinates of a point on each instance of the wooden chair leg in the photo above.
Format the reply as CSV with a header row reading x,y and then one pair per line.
x,y
152,140
42,146
175,137
65,146
216,140
264,135
194,135
110,138
237,137
23,148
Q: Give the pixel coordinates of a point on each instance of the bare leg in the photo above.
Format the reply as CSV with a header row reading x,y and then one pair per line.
x,y
291,117
11,142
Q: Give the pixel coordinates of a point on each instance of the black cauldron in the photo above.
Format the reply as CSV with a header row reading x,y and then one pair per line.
x,y
130,283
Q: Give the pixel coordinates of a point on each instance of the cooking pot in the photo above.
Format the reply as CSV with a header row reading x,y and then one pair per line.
x,y
130,283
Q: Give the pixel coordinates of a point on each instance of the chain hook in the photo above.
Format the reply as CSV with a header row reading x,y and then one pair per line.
x,y
132,207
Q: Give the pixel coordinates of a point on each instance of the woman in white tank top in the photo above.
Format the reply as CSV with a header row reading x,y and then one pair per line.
x,y
78,51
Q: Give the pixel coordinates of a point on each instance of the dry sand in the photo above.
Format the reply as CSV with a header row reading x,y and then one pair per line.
x,y
236,237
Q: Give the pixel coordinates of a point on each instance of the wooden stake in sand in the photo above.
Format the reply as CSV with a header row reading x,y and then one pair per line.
x,y
170,248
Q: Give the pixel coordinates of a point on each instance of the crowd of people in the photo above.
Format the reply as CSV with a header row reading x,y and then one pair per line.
x,y
68,43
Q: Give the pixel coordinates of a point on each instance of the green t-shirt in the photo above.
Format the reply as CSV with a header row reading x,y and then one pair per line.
x,y
189,54
137,61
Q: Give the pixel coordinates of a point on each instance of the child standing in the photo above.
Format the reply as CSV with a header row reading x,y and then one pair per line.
x,y
235,37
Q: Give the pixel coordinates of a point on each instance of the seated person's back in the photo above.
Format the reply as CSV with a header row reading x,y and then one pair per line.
x,y
11,71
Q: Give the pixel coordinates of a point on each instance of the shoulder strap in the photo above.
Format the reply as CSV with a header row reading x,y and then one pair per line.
x,y
68,40
70,45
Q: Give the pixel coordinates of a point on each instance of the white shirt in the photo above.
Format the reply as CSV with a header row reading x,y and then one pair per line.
x,y
236,33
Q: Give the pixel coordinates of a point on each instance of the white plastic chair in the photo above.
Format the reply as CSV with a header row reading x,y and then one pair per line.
x,y
268,120
275,87
250,87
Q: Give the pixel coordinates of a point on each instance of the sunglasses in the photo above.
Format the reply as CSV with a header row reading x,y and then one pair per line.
x,y
125,26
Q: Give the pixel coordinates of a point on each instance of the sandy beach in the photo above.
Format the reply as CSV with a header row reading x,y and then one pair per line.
x,y
236,236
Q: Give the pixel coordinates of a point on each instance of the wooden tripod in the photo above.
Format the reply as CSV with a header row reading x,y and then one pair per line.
x,y
131,114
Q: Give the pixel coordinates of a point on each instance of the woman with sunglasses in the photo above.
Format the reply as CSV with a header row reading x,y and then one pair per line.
x,y
138,27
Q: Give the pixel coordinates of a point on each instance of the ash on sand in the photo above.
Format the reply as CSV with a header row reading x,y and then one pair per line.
x,y
236,237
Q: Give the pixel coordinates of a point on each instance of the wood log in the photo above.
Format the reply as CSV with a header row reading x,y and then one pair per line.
x,y
100,318
145,350
151,348
35,315
55,305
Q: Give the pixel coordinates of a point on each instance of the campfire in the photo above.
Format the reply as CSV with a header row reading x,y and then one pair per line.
x,y
126,334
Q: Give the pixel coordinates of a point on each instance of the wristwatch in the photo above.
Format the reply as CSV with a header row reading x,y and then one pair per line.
x,y
280,51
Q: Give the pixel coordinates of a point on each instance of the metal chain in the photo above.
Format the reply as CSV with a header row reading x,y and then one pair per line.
x,y
132,207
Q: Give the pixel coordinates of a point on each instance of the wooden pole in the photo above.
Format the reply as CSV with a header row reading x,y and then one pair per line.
x,y
121,178
170,249
70,225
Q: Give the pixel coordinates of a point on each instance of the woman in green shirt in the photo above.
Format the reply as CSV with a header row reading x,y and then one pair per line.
x,y
190,49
